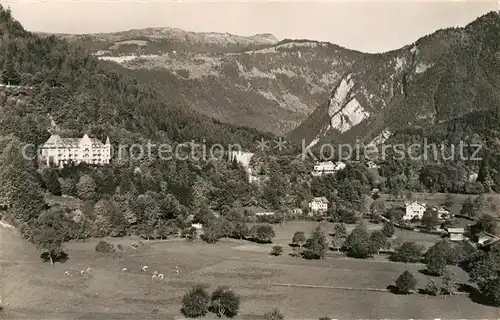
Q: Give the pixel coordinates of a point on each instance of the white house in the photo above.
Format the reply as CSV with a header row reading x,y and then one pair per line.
x,y
318,204
456,234
327,167
414,210
60,151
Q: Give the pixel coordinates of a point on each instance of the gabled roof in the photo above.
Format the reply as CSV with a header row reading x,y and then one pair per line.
x,y
56,141
419,203
321,199
455,230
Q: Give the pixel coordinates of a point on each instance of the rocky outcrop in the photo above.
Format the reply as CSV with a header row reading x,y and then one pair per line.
x,y
344,110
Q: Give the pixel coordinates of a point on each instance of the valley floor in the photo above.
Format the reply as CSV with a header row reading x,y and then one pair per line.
x,y
35,290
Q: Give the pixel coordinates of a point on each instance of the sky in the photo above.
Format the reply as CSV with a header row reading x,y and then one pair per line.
x,y
369,26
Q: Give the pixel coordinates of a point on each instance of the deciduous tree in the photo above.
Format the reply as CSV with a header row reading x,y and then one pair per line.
x,y
316,245
406,283
388,229
299,238
358,244
225,302
408,252
195,302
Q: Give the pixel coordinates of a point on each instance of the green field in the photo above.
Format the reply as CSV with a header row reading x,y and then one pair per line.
x,y
35,290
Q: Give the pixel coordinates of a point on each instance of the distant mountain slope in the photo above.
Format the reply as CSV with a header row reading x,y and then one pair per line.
x,y
314,90
440,77
160,40
272,87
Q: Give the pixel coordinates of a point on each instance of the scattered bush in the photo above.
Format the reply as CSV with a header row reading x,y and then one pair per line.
x,y
406,283
262,233
388,229
276,251
274,314
104,247
409,252
431,288
195,302
299,238
449,285
224,302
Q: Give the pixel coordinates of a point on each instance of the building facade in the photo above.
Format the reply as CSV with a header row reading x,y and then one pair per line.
x,y
318,205
59,151
328,167
414,210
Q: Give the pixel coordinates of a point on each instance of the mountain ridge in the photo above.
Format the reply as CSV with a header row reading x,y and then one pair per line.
x,y
277,87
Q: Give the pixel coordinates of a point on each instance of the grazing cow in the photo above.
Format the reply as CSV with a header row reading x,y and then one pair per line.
x,y
88,270
160,276
124,269
66,273
153,276
155,273
144,268
82,272
176,271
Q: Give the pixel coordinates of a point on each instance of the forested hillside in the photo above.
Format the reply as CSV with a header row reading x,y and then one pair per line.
x,y
72,93
66,90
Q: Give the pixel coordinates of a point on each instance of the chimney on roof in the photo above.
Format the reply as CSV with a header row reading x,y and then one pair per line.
x,y
107,141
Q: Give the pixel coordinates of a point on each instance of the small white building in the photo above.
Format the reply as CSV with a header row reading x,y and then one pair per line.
x,y
443,213
485,237
260,214
60,151
328,167
372,165
414,210
456,234
197,226
318,204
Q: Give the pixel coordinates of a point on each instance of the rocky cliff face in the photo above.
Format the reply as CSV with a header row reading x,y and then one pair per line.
x,y
441,77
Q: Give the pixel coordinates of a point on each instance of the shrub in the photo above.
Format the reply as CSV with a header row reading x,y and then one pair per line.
x,y
431,288
299,238
276,251
225,302
406,283
449,285
120,247
104,247
388,229
274,314
195,302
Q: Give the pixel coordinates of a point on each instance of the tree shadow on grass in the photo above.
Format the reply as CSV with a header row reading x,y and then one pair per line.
x,y
60,257
393,289
426,272
475,295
